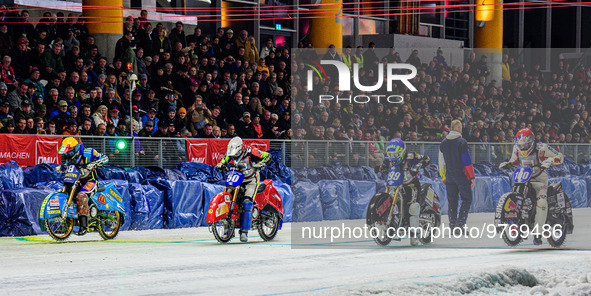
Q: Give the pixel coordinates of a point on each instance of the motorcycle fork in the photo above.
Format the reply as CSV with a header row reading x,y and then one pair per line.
x,y
67,205
234,198
394,200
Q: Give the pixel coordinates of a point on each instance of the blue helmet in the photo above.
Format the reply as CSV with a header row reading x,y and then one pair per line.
x,y
396,151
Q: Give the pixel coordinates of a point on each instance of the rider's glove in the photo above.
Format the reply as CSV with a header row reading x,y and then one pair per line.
x,y
504,164
219,167
259,165
547,163
415,169
90,166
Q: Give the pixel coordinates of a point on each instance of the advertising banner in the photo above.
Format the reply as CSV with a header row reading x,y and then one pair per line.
x,y
29,150
211,151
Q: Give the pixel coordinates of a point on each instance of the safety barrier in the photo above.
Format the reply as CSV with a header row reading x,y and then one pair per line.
x,y
169,152
337,191
170,198
154,197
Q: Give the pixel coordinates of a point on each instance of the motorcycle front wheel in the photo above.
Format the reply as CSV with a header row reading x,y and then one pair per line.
x,y
512,235
109,224
268,226
380,231
223,230
59,228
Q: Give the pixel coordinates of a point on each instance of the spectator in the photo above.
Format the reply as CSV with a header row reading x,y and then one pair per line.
x,y
17,96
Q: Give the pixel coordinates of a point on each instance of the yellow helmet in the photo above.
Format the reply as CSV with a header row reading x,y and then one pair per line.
x,y
70,150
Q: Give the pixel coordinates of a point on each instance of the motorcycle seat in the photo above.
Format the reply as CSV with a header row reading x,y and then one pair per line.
x,y
100,189
261,188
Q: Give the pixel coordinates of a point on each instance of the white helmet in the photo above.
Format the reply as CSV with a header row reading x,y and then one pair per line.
x,y
235,147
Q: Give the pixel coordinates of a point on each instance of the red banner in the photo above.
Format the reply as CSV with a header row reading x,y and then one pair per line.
x,y
211,151
29,150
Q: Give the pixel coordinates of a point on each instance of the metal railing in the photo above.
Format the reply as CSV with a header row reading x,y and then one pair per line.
x,y
169,152
355,153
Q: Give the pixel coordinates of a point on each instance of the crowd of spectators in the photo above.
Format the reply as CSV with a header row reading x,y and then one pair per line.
x,y
54,80
552,104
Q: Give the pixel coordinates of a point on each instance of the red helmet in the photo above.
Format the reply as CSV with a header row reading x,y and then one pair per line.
x,y
524,141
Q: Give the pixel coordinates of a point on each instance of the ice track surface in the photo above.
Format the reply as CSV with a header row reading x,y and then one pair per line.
x,y
190,261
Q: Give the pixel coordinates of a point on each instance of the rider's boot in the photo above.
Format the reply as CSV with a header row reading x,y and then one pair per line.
x,y
537,240
245,220
414,211
83,225
243,236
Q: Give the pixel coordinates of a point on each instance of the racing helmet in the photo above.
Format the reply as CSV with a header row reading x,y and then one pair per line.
x,y
396,151
235,147
524,141
71,151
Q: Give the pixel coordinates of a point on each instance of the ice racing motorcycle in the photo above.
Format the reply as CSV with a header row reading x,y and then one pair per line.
x,y
223,215
385,214
58,214
516,211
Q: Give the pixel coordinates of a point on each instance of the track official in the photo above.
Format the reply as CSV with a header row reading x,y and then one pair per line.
x,y
457,173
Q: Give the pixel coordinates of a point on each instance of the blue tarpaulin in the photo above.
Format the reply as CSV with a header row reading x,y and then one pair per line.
x,y
111,172
306,202
340,170
499,185
277,170
183,202
53,185
147,207
19,211
482,196
174,175
361,193
336,199
11,176
286,196
576,189
44,172
134,176
200,172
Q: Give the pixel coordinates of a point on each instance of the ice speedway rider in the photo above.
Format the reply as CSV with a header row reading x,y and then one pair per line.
x,y
409,164
527,153
249,160
74,153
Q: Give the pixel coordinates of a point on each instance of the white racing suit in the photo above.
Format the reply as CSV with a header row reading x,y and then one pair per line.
x,y
244,162
539,181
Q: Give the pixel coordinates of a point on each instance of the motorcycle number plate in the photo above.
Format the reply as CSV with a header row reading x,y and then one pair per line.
x,y
221,210
234,178
522,175
395,176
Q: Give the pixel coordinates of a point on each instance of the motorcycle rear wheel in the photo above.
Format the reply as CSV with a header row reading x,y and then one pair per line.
x,y
109,227
426,222
223,230
556,242
268,226
59,228
512,235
